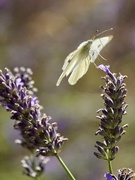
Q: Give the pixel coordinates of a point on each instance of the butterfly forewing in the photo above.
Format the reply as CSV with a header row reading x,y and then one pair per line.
x,y
97,45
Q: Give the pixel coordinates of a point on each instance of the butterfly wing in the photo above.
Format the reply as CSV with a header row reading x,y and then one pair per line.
x,y
67,61
73,56
69,64
73,60
95,48
97,45
79,70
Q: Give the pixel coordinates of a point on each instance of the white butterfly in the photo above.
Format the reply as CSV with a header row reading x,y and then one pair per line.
x,y
78,61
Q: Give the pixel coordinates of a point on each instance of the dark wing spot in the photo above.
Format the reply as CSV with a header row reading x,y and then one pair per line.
x,y
93,53
99,45
69,60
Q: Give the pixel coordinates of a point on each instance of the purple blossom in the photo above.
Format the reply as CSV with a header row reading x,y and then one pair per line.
x,y
113,94
37,162
107,71
18,97
104,68
19,83
109,176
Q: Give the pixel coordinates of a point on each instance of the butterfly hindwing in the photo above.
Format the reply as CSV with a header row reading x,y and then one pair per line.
x,y
79,71
69,65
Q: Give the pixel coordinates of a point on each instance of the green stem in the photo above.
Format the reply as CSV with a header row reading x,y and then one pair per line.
x,y
65,167
110,166
109,162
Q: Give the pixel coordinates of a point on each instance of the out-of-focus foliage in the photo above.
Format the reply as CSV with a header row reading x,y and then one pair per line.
x,y
39,35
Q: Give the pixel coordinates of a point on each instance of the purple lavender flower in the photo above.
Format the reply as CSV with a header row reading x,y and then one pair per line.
x,y
114,93
17,95
106,70
34,166
25,75
110,177
126,174
35,129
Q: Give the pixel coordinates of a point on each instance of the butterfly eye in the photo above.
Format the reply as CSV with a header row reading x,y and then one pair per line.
x,y
69,60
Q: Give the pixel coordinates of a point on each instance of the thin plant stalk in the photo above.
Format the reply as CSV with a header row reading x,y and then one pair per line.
x,y
65,167
109,163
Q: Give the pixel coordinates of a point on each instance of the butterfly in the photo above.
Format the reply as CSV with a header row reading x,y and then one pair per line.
x,y
77,62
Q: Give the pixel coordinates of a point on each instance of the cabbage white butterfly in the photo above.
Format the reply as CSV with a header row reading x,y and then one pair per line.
x,y
77,62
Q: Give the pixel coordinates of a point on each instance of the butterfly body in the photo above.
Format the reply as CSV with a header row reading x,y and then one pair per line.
x,y
77,62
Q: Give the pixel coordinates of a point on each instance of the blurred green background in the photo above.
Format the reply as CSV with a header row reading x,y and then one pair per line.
x,y
39,35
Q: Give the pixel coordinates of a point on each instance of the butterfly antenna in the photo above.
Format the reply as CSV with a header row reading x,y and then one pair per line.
x,y
101,33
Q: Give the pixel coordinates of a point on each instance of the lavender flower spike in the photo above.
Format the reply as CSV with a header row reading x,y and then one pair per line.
x,y
113,93
17,95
